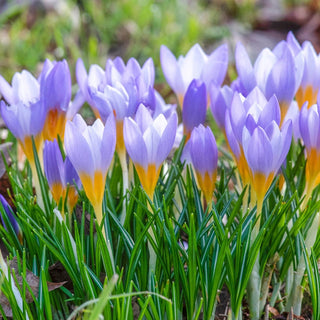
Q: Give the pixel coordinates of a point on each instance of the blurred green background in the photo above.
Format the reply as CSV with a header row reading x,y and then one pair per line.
x,y
31,31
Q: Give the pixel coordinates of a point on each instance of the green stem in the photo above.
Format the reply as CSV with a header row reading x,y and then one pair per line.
x,y
125,183
152,258
36,183
233,316
266,280
152,254
254,285
245,202
296,294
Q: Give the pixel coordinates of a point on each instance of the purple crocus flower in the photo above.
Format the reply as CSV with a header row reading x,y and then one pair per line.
x,y
194,106
142,77
90,150
195,65
149,142
262,111
220,99
265,150
94,79
119,90
25,115
277,72
310,133
310,82
54,100
61,174
12,220
204,156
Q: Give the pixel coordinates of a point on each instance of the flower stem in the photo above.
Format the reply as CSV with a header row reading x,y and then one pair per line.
x,y
36,183
296,294
125,182
152,254
254,285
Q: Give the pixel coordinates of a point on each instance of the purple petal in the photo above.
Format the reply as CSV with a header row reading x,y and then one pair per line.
x,y
82,77
25,87
263,67
250,124
167,139
10,215
71,175
194,105
170,70
148,72
232,140
244,68
280,80
304,126
143,118
215,68
220,101
312,63
51,93
6,91
76,105
151,138
281,150
134,142
259,152
53,163
108,143
271,111
237,116
255,96
293,43
78,150
203,149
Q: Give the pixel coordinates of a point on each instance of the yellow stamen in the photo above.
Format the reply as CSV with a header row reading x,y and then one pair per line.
x,y
148,178
54,125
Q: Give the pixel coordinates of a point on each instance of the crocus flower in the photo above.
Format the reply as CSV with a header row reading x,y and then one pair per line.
x,y
149,142
60,174
310,82
94,79
194,106
277,72
55,92
122,88
90,150
25,115
12,220
261,110
310,132
220,99
265,150
195,65
204,156
136,80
